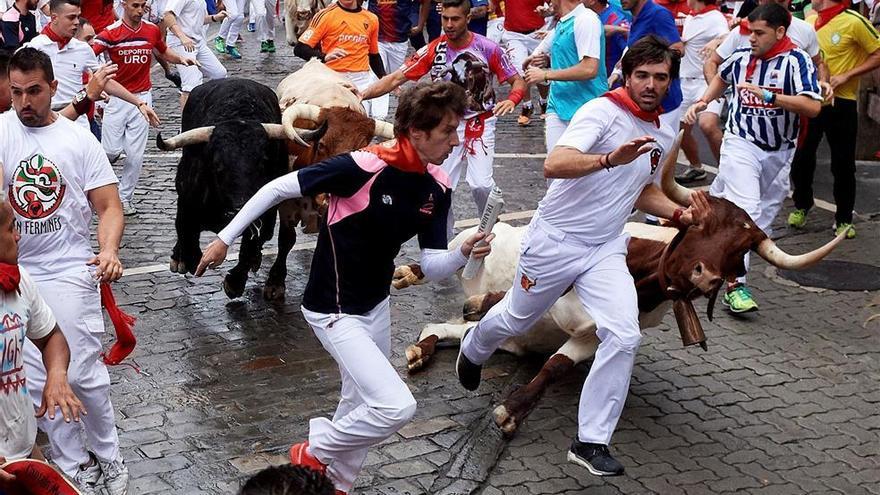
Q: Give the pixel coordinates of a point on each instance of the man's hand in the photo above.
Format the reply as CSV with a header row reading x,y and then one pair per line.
x,y
149,114
621,29
189,61
212,257
628,152
838,80
690,117
188,44
416,30
541,60
504,108
698,210
827,90
752,88
57,393
219,16
335,54
6,479
109,267
710,47
98,79
474,245
535,75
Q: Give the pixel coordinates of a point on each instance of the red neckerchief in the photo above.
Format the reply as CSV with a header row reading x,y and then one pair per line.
x,y
400,154
54,37
744,27
123,324
620,96
781,46
707,8
825,15
10,277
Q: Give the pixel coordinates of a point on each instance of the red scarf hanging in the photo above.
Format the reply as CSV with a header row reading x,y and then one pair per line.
x,y
55,37
620,96
744,27
781,46
122,324
400,154
825,15
10,277
707,8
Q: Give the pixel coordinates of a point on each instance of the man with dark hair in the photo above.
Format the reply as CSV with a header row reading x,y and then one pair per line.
x,y
380,197
57,174
774,84
288,480
470,61
851,47
18,24
602,167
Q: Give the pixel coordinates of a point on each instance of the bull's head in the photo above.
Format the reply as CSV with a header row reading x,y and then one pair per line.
x,y
297,15
701,258
346,130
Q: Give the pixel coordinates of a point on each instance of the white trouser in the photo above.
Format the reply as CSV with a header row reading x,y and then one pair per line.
x,y
692,89
553,129
191,75
232,24
477,157
124,129
549,264
362,81
753,179
264,13
374,402
520,46
76,303
392,55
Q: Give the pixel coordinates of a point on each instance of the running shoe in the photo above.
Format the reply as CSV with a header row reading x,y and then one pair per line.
x,y
88,475
691,175
525,116
299,456
848,227
271,44
252,26
220,45
797,218
264,47
115,476
739,299
233,52
595,457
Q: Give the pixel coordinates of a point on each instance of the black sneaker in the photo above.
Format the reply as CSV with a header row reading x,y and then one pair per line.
x,y
468,373
595,457
691,175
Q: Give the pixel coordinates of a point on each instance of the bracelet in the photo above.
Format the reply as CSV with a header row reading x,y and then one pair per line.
x,y
769,96
545,75
141,104
213,19
607,159
516,96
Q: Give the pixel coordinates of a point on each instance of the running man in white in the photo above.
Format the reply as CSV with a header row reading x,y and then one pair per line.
x,y
603,166
774,84
263,13
39,148
229,29
185,21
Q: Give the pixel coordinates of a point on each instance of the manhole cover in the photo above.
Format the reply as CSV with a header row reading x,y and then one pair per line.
x,y
836,275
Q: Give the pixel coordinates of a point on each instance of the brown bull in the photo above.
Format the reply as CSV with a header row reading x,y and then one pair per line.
x,y
670,267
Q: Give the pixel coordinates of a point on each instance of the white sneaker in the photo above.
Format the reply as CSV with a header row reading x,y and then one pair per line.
x,y
128,209
115,476
87,477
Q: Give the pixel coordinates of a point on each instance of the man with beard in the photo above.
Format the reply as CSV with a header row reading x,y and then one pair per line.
x,y
603,166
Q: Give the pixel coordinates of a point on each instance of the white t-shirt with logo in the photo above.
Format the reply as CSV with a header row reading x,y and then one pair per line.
x,y
22,314
800,32
593,209
190,16
699,30
69,64
47,172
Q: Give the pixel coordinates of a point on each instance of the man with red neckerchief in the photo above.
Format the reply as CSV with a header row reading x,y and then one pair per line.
x,y
380,197
603,166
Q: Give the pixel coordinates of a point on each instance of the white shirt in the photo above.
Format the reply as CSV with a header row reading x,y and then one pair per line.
x,y
800,32
699,30
190,17
593,209
22,314
68,63
586,26
54,220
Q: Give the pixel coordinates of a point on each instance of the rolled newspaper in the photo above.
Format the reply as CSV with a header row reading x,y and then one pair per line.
x,y
487,221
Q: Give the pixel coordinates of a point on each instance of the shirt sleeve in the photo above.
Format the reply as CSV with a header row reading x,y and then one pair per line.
x,y
40,321
546,43
98,170
866,36
316,30
100,43
285,187
420,63
729,45
727,68
587,32
804,79
585,128
175,7
374,34
434,235
500,65
158,42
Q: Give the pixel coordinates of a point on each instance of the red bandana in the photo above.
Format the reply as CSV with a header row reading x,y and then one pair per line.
x,y
707,8
400,154
744,27
10,276
122,324
54,37
621,97
825,15
781,46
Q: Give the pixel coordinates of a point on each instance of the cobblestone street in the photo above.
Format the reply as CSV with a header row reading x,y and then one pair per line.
x,y
785,401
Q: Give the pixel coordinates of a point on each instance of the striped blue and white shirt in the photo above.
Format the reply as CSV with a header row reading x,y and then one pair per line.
x,y
768,126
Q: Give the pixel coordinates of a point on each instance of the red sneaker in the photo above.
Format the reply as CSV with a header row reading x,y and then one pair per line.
x,y
300,456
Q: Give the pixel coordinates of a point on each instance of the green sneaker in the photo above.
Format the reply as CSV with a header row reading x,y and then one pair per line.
x,y
233,52
220,45
797,218
848,227
264,47
739,300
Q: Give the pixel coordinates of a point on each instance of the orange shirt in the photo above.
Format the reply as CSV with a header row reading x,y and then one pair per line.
x,y
356,32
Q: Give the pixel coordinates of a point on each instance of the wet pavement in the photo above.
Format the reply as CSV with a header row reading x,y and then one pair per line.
x,y
784,401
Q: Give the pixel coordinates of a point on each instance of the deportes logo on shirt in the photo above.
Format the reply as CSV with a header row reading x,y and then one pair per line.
x,y
37,188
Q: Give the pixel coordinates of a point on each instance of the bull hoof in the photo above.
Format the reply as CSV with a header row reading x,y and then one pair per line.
x,y
473,308
406,275
416,359
233,288
273,292
177,266
505,421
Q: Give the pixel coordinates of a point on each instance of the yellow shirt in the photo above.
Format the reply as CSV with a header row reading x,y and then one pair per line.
x,y
845,42
355,32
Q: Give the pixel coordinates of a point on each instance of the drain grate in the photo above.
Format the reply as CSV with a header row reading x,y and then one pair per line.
x,y
837,275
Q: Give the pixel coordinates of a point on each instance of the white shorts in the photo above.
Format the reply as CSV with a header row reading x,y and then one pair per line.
x,y
191,75
519,46
553,129
692,89
393,55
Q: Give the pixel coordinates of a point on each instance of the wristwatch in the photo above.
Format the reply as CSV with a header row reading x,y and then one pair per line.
x,y
81,102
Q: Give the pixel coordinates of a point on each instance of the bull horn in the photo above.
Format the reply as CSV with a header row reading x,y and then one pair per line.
x,y
383,129
295,112
774,255
673,190
186,138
